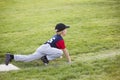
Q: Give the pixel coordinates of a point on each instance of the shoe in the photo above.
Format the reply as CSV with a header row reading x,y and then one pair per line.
x,y
8,58
45,60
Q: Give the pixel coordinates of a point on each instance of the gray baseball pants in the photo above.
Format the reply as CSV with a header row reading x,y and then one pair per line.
x,y
45,49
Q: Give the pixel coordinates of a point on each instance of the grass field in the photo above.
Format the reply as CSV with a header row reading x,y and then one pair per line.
x,y
93,39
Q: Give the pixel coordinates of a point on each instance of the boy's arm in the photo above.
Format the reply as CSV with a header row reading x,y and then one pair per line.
x,y
65,51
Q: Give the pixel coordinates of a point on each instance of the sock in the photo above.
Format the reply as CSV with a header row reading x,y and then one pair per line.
x,y
12,56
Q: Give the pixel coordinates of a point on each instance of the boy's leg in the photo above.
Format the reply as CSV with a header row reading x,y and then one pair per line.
x,y
24,58
27,58
44,50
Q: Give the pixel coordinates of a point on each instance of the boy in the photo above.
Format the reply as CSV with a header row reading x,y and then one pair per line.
x,y
52,49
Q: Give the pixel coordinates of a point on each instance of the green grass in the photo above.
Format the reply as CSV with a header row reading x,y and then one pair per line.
x,y
95,31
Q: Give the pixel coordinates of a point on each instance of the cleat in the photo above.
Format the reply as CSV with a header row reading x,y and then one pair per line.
x,y
45,60
7,58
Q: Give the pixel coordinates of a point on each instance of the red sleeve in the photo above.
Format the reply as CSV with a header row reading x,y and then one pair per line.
x,y
60,44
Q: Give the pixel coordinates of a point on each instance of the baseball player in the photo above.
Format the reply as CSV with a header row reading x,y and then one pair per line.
x,y
50,50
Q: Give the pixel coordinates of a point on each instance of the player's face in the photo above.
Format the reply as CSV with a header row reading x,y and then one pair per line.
x,y
64,32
